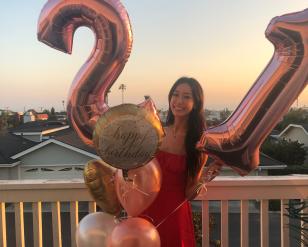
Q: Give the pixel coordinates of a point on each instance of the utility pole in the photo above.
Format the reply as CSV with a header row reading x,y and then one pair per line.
x,y
123,88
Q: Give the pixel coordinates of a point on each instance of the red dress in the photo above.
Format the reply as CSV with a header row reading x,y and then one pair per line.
x,y
177,230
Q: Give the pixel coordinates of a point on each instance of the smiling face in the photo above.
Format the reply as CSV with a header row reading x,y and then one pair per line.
x,y
182,101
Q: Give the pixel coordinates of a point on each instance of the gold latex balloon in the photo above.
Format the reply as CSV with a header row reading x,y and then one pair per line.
x,y
127,136
134,232
99,178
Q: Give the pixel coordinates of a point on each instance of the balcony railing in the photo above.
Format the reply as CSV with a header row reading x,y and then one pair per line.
x,y
39,198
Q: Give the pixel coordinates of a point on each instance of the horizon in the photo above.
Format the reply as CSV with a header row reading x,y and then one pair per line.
x,y
220,44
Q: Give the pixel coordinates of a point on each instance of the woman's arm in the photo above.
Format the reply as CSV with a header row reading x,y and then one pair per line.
x,y
193,183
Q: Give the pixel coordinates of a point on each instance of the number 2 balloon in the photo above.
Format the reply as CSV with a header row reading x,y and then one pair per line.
x,y
86,101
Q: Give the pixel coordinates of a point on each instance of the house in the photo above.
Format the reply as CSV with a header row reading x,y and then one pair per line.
x,y
295,132
266,165
41,116
32,115
52,150
29,116
59,155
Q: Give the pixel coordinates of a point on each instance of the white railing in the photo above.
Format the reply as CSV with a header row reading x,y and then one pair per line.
x,y
223,189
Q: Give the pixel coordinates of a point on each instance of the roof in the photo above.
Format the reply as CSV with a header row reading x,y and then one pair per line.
x,y
70,137
304,127
269,162
11,144
42,116
38,126
266,162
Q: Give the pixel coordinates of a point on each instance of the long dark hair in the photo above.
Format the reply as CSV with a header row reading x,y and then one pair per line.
x,y
196,123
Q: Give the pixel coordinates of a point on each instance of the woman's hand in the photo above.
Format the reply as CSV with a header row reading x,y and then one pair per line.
x,y
211,171
202,142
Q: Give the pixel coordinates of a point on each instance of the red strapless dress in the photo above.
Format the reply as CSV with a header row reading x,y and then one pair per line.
x,y
177,230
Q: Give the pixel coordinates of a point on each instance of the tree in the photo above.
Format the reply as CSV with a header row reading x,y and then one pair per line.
x,y
52,114
224,114
294,116
13,120
289,152
3,121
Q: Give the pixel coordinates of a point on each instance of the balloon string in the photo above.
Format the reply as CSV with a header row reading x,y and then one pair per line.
x,y
186,200
210,173
131,185
195,191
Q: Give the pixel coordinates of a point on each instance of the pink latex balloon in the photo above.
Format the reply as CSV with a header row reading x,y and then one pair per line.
x,y
134,232
94,229
236,142
109,21
139,189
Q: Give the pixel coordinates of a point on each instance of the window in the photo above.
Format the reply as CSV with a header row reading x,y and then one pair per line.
x,y
66,169
32,170
47,170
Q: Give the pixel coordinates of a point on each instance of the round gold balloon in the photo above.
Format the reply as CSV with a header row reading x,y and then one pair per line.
x,y
99,178
127,136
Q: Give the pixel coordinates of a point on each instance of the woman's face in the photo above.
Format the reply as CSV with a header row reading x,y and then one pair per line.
x,y
182,102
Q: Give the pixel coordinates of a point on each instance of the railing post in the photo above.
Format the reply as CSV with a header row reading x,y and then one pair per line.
x,y
304,238
19,224
224,224
37,224
205,224
2,225
74,221
92,207
56,224
285,239
264,223
244,223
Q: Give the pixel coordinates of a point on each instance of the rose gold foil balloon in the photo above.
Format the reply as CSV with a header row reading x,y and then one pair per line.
x,y
138,190
236,142
109,21
134,232
99,177
94,229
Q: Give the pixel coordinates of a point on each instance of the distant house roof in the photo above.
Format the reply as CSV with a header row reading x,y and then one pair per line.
x,y
42,116
304,127
10,145
270,163
38,126
266,162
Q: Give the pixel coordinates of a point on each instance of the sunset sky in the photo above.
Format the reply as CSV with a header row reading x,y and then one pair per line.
x,y
220,43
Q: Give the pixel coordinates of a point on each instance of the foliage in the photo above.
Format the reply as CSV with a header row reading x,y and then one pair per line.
x,y
9,120
296,210
224,114
52,114
197,221
294,116
291,153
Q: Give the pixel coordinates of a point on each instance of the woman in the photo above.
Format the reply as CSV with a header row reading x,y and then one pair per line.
x,y
181,164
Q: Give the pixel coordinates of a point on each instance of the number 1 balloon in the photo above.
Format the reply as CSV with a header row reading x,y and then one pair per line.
x,y
236,142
